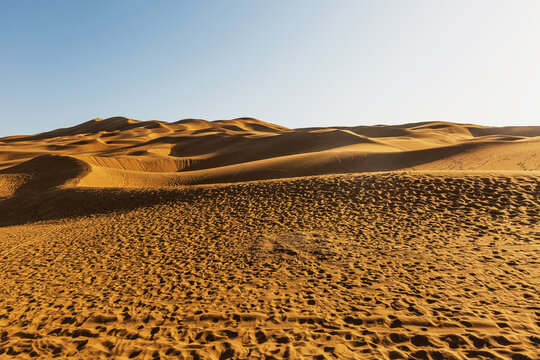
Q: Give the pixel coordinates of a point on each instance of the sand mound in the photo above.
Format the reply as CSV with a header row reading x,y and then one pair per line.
x,y
191,151
42,173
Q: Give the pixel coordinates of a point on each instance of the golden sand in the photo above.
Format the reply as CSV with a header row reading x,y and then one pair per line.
x,y
246,240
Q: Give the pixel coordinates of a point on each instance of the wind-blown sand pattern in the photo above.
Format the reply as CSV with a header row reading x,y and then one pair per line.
x,y
242,239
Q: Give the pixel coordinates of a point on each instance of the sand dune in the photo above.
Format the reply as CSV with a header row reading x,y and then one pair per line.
x,y
240,239
197,151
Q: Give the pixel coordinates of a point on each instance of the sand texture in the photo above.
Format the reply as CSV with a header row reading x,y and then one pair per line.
x,y
241,239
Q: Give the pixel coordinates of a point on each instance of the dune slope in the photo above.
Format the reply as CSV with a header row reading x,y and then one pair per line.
x,y
121,152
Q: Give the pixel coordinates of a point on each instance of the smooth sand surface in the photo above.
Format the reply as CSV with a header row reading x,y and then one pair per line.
x,y
240,239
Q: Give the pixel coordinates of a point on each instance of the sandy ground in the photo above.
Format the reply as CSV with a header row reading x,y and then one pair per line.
x,y
110,255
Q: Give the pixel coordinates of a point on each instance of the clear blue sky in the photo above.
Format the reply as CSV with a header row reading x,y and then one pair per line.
x,y
292,62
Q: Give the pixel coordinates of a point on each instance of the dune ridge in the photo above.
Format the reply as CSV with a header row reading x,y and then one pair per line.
x,y
195,151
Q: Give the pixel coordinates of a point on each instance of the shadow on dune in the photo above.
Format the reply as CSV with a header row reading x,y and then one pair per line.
x,y
49,193
59,204
37,203
45,172
325,163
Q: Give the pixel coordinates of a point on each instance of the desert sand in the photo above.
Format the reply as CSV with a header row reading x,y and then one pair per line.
x,y
243,239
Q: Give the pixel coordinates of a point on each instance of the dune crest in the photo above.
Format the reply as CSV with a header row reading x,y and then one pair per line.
x,y
195,151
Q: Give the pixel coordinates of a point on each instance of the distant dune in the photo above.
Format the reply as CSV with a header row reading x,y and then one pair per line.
x,y
121,152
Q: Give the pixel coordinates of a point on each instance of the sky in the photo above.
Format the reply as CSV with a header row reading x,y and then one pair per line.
x,y
297,63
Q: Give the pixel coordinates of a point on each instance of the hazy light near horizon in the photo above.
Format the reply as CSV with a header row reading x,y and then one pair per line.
x,y
296,63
